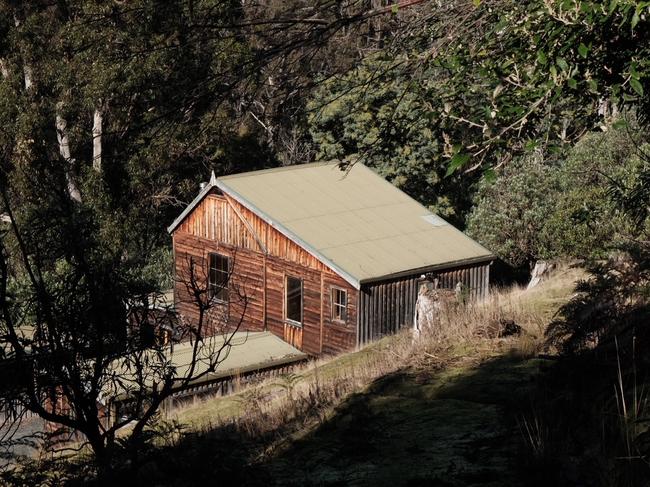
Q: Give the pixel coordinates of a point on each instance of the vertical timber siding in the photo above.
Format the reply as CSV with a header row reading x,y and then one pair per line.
x,y
261,258
387,306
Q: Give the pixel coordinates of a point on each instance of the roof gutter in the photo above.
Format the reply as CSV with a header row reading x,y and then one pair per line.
x,y
439,267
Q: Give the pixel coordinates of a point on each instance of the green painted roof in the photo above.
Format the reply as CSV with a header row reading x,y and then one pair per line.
x,y
248,351
355,221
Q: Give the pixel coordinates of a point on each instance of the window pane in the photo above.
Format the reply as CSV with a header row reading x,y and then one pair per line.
x,y
213,277
218,276
342,313
339,304
222,263
294,299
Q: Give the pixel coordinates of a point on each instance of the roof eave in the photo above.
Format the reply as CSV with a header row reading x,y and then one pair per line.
x,y
202,194
224,374
431,268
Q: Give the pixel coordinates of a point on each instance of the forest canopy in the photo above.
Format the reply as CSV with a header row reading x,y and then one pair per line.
x,y
523,122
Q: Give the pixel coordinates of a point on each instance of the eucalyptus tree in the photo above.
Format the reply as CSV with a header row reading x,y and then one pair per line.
x,y
471,84
110,114
100,101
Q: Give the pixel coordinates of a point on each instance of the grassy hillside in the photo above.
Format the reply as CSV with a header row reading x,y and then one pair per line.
x,y
456,407
463,335
450,408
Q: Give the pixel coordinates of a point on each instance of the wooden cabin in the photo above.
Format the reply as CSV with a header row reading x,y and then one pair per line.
x,y
328,259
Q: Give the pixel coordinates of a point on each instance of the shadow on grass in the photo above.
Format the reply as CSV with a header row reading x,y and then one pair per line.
x,y
418,428
413,427
507,421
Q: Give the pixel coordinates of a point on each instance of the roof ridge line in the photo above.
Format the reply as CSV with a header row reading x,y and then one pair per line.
x,y
292,167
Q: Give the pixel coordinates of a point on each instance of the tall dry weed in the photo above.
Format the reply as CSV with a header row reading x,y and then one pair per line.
x,y
309,394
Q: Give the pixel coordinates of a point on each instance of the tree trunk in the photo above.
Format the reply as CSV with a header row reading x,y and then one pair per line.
x,y
28,73
64,149
4,68
98,119
539,273
100,450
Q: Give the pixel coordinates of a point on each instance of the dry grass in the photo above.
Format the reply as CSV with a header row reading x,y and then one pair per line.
x,y
311,389
484,323
295,403
465,352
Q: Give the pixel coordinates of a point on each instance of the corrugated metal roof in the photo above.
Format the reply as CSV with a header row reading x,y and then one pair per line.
x,y
355,221
248,351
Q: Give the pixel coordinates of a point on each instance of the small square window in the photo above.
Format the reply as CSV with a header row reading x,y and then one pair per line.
x,y
218,277
339,304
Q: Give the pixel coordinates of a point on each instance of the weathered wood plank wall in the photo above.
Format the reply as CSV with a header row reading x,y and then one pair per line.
x,y
246,282
262,257
222,219
338,336
387,306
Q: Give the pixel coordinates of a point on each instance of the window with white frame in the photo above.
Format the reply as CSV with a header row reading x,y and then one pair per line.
x,y
218,276
339,304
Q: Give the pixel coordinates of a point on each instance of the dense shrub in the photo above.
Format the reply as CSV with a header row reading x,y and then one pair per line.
x,y
511,213
541,208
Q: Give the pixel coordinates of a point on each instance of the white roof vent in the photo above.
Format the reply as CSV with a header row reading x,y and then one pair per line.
x,y
434,220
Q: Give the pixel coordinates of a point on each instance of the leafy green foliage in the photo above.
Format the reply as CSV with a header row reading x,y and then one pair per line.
x,y
162,88
612,304
562,207
539,72
489,81
510,214
375,116
586,220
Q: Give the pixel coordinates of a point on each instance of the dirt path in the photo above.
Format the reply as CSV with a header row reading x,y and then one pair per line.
x,y
449,428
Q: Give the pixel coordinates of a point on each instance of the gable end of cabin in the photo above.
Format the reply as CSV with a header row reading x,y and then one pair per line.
x,y
275,284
